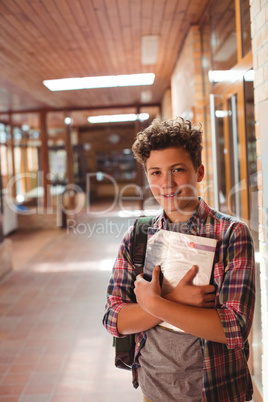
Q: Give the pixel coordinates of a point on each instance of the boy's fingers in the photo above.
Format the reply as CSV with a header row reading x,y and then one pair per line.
x,y
190,275
209,289
210,297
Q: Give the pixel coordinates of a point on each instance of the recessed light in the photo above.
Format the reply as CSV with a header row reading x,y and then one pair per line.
x,y
146,96
67,120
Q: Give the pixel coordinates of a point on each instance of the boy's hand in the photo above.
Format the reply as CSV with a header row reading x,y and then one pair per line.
x,y
188,293
146,291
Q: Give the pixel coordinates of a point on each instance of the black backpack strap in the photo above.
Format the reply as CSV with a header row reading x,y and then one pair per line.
x,y
138,248
125,346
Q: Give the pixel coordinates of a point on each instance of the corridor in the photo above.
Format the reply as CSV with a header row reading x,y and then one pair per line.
x,y
53,345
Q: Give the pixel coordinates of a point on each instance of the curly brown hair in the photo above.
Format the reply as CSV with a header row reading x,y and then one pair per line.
x,y
162,134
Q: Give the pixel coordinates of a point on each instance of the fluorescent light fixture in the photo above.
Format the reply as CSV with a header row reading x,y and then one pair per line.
x,y
110,81
115,118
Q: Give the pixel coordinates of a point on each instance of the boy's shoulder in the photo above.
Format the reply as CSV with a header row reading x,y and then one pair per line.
x,y
225,222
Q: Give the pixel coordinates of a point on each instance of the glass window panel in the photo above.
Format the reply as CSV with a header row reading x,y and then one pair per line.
x,y
235,191
32,159
3,134
3,155
57,165
3,160
18,173
9,162
223,35
120,165
221,154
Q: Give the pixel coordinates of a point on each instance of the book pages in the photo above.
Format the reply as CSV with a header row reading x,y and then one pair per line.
x,y
176,253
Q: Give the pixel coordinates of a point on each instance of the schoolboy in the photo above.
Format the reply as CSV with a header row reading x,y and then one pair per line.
x,y
208,361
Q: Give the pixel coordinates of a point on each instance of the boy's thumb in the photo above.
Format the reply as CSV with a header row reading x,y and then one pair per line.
x,y
190,275
156,273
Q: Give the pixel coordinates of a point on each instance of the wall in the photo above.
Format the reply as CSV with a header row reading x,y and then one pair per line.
x,y
99,140
259,32
190,102
182,80
5,257
166,105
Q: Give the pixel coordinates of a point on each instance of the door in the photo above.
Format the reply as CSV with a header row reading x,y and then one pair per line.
x,y
229,152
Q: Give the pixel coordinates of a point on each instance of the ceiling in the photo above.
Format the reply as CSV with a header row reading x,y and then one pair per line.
x,y
50,39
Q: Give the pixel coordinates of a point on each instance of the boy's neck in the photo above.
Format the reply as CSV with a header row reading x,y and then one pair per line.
x,y
177,217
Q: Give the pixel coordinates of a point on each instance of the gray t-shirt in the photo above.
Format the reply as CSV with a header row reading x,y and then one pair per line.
x,y
171,362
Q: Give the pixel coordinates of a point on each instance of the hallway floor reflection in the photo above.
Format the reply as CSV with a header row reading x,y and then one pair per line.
x,y
53,345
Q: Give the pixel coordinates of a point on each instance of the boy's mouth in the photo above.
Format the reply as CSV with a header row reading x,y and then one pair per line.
x,y
172,195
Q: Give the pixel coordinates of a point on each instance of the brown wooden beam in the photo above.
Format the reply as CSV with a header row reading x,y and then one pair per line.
x,y
11,125
140,172
44,155
69,154
79,108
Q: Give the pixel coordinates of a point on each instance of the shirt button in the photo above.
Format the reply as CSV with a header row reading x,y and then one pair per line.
x,y
139,344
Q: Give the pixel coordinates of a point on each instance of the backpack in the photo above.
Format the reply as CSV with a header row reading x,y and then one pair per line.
x,y
125,347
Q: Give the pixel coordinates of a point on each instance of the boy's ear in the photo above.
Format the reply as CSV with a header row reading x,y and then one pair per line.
x,y
200,172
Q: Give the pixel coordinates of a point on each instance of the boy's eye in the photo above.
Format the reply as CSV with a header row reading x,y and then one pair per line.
x,y
177,171
155,173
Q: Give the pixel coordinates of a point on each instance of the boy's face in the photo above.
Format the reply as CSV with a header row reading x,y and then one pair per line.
x,y
173,181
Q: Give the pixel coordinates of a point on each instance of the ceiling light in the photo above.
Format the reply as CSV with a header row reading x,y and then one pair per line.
x,y
67,120
221,113
146,96
20,198
67,84
149,49
114,118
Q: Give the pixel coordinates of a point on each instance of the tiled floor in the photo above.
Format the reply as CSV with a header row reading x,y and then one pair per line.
x,y
53,346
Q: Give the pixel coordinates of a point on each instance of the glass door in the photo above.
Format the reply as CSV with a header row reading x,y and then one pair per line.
x,y
230,170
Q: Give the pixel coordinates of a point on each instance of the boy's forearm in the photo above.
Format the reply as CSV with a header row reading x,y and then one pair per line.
x,y
201,322
133,319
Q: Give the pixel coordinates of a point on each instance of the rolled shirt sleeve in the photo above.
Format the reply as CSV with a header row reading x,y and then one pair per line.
x,y
236,291
121,285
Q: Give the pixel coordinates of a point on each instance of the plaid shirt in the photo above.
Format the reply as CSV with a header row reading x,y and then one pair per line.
x,y
226,375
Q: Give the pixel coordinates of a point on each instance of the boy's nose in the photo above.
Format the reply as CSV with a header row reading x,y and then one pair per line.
x,y
167,180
